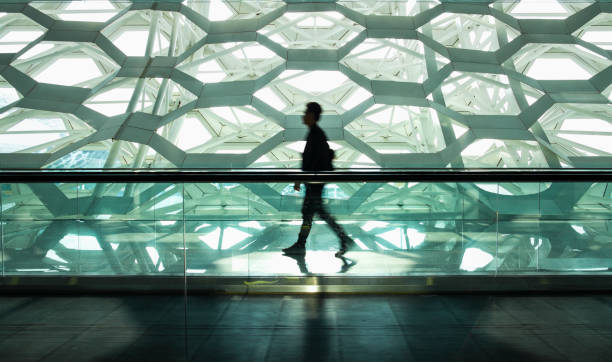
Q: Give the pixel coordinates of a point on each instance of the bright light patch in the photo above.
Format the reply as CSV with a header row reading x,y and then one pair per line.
x,y
556,68
315,82
218,11
8,96
395,237
35,50
493,188
358,96
297,146
549,9
474,258
481,147
586,124
267,95
459,130
7,206
601,38
51,254
251,224
153,254
236,115
415,237
192,134
602,143
103,217
369,225
167,222
15,40
200,227
83,242
78,11
134,42
212,238
15,142
112,102
579,229
360,244
210,72
254,51
69,71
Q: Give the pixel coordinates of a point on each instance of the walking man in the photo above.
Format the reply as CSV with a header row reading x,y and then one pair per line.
x,y
317,157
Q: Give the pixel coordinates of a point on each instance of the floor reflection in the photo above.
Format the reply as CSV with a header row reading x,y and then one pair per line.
x,y
303,266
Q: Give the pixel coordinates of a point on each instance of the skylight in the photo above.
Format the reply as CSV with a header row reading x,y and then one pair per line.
x,y
69,71
134,42
192,134
550,9
219,10
96,11
15,40
601,38
8,95
314,82
556,68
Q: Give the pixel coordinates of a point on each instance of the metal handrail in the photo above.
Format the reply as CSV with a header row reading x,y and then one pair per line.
x,y
291,175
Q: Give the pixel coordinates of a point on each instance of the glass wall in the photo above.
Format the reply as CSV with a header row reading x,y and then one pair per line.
x,y
239,229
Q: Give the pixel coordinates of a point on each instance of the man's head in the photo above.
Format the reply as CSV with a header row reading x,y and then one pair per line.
x,y
312,113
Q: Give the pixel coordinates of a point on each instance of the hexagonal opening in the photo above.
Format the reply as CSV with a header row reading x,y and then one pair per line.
x,y
114,99
598,31
230,130
540,9
390,8
308,30
485,153
392,129
8,94
78,10
466,31
17,32
34,131
293,88
65,63
579,129
484,93
130,33
391,59
221,10
558,61
227,62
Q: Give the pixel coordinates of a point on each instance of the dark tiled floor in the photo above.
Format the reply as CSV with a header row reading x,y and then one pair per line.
x,y
307,328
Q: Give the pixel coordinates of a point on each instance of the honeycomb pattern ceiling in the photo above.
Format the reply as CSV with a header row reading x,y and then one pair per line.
x,y
102,83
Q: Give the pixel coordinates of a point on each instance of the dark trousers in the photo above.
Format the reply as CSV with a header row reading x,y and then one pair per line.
x,y
313,203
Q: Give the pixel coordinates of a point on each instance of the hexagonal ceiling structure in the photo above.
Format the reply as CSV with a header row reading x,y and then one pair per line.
x,y
223,83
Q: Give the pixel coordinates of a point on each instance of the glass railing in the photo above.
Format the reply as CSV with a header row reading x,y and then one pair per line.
x,y
207,223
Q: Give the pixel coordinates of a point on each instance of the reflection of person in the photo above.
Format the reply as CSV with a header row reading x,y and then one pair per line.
x,y
317,157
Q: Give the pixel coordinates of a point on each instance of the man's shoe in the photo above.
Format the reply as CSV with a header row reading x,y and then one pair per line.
x,y
295,249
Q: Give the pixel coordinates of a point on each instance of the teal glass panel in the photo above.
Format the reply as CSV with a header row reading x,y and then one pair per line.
x,y
575,228
234,229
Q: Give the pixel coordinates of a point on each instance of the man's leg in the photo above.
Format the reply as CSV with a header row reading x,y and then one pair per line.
x,y
345,241
308,209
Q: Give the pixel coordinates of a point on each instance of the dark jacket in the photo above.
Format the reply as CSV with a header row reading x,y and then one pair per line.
x,y
317,154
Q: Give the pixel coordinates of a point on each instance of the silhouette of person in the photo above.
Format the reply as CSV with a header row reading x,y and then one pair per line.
x,y
317,157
